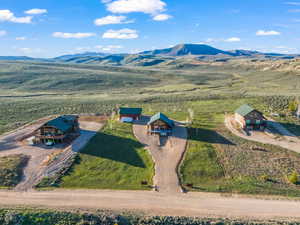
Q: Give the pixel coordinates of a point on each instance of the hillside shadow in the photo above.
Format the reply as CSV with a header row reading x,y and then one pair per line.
x,y
209,136
114,148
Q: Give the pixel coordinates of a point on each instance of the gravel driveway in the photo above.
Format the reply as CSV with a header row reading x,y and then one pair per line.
x,y
287,140
167,153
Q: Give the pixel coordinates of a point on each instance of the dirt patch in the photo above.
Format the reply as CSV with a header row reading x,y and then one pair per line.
x,y
97,119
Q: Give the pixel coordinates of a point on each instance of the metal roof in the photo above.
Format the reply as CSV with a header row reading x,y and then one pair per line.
x,y
244,110
162,117
63,123
127,111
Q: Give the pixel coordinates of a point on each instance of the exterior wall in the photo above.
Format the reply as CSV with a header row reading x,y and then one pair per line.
x,y
254,120
45,132
159,126
133,116
240,119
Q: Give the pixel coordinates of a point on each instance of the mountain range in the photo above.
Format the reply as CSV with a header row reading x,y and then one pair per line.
x,y
156,57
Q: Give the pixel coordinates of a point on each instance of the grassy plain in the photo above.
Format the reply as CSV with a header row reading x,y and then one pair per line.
x,y
201,94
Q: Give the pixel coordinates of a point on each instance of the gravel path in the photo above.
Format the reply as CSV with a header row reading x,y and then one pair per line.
x,y
287,140
153,203
167,153
35,168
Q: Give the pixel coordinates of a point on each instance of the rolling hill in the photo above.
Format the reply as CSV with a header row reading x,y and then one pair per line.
x,y
168,56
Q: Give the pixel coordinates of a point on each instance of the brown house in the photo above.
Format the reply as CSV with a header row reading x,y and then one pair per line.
x,y
250,118
58,130
160,124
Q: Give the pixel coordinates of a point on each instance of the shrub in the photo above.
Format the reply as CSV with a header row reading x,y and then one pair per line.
x,y
293,178
265,178
293,106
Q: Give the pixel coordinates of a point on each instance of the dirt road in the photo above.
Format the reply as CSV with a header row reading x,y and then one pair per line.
x,y
287,140
153,203
166,153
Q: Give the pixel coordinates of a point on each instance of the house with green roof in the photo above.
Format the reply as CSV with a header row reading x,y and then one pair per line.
x,y
160,124
250,118
57,130
130,114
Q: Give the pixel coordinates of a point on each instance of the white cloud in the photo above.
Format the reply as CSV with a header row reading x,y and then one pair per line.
x,y
128,6
294,10
267,33
209,40
233,39
293,3
111,20
72,35
121,34
8,16
162,17
3,33
109,48
21,38
36,11
26,50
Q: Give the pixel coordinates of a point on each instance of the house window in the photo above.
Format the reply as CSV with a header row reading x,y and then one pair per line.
x,y
248,121
257,122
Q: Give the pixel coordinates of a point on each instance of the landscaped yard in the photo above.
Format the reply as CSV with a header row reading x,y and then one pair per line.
x,y
218,161
113,159
11,170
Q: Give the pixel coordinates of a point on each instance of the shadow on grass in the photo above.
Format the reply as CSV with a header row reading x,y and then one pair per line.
x,y
115,148
209,136
292,127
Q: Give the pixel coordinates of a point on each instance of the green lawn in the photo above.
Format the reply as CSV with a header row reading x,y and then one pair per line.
x,y
113,159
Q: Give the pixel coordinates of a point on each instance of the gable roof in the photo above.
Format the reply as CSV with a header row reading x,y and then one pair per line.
x,y
244,110
161,116
127,111
63,123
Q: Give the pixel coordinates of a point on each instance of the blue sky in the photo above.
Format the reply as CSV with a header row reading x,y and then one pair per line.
x,y
47,28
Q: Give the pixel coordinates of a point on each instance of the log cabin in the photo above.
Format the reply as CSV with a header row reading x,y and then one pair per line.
x,y
129,114
160,124
58,130
250,118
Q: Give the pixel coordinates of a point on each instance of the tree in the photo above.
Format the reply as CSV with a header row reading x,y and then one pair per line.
x,y
293,178
293,106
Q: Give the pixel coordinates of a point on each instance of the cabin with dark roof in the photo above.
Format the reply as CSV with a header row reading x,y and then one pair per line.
x,y
160,124
250,118
130,114
58,129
